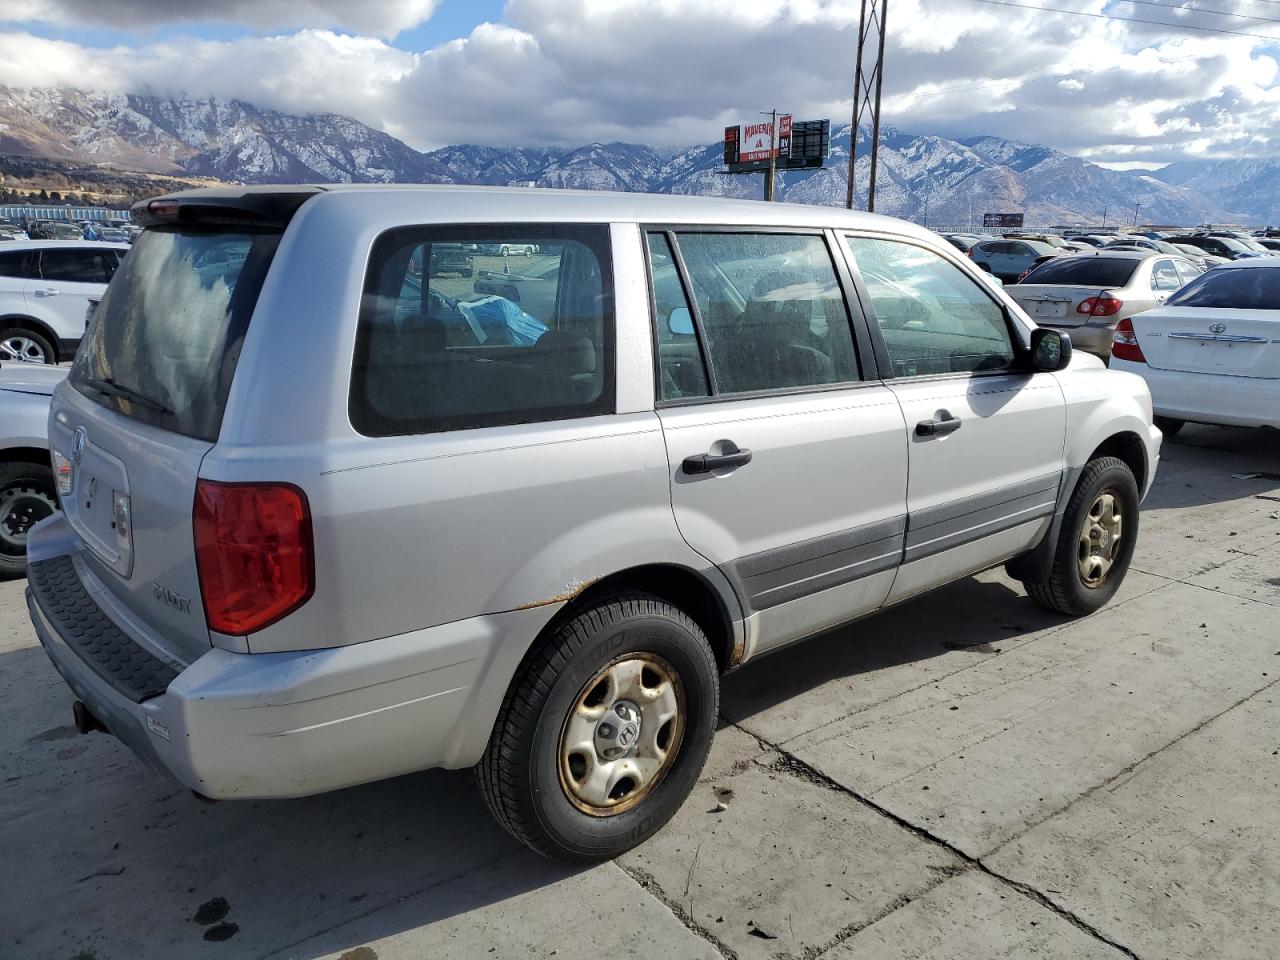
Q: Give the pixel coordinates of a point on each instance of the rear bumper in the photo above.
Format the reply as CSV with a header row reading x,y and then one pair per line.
x,y
1209,398
293,724
1094,338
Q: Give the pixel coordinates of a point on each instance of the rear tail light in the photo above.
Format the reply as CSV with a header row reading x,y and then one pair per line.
x,y
254,553
1124,343
1103,306
163,208
62,474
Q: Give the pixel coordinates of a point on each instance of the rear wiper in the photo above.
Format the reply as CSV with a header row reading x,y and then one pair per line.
x,y
111,388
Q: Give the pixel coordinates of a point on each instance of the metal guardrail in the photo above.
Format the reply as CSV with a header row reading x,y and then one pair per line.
x,y
21,211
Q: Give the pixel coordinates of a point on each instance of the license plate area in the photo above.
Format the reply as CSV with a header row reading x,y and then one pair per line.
x,y
99,508
1049,309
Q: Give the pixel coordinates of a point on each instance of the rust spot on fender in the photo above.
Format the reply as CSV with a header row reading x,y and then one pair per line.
x,y
574,588
739,648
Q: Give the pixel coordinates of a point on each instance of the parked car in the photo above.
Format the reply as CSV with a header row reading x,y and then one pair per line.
x,y
537,558
1198,256
1092,239
1271,243
12,230
1211,354
962,241
450,258
45,291
1008,259
1088,294
57,230
27,493
1229,248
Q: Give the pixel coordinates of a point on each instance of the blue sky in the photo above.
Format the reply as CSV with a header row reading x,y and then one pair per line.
x,y
673,72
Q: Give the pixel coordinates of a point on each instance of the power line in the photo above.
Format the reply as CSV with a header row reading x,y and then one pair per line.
x,y
1205,10
1110,16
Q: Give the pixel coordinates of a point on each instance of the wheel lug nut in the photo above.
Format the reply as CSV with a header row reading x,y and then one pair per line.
x,y
606,730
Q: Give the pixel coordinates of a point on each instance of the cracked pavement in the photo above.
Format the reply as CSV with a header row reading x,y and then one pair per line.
x,y
962,776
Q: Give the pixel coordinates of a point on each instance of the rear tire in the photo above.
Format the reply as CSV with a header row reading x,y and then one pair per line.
x,y
1169,426
27,496
540,772
22,345
1095,542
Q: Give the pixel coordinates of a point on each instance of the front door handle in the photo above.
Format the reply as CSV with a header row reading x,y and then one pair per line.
x,y
937,428
46,292
706,462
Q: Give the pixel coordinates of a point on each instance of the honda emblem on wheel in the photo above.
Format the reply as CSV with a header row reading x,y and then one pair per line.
x,y
1217,327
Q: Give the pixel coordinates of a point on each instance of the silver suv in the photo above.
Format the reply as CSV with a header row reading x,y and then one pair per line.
x,y
331,516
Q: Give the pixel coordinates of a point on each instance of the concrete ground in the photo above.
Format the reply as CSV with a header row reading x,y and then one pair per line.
x,y
966,776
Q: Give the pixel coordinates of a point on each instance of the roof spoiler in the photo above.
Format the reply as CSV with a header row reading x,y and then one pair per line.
x,y
273,207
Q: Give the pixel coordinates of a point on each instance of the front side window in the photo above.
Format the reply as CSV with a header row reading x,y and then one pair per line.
x,y
771,310
933,317
78,265
15,263
454,335
681,372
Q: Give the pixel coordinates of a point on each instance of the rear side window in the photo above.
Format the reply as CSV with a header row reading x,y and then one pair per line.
x,y
164,342
78,265
1084,271
1235,288
481,326
771,312
1164,276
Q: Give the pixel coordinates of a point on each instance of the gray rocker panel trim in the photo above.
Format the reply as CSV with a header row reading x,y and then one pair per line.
x,y
771,577
955,524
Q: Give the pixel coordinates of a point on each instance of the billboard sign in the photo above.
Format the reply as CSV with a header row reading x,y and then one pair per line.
x,y
757,142
801,145
731,144
1002,220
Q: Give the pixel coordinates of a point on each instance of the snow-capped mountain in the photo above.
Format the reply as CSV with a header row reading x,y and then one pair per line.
x,y
946,183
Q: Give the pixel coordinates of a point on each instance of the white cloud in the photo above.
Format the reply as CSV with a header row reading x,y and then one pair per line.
x,y
674,72
379,18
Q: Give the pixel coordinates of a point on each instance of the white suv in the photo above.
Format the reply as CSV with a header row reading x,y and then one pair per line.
x,y
46,287
332,514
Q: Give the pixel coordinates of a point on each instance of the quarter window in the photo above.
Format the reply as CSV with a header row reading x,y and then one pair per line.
x,y
771,311
933,317
455,335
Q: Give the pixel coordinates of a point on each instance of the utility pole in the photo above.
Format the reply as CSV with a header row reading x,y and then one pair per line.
x,y
1136,207
868,82
773,153
1104,218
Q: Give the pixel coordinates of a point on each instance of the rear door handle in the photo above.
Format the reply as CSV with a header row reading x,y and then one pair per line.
x,y
706,462
937,428
46,292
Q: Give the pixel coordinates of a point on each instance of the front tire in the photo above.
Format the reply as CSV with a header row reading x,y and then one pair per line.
x,y
604,730
1095,542
1169,426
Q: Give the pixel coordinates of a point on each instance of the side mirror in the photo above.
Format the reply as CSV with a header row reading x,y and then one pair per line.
x,y
680,322
1050,350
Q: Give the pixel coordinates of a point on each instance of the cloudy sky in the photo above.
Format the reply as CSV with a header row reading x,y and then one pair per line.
x,y
673,72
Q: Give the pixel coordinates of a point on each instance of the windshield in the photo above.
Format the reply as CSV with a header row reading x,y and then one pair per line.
x,y
1235,288
1084,271
164,341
